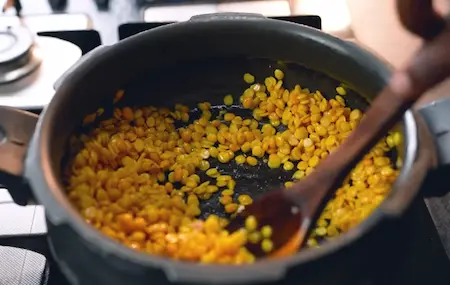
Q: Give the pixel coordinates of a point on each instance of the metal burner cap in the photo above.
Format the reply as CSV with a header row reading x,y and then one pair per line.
x,y
15,42
18,55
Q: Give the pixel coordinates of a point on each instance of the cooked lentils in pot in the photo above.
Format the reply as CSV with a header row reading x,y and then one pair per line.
x,y
139,179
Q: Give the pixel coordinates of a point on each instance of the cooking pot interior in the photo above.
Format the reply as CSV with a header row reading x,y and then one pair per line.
x,y
210,80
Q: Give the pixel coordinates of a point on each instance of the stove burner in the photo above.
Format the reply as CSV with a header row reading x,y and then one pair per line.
x,y
19,55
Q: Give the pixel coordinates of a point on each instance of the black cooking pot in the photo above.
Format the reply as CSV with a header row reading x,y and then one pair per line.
x,y
203,59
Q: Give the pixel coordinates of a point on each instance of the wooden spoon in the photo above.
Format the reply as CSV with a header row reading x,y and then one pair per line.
x,y
292,212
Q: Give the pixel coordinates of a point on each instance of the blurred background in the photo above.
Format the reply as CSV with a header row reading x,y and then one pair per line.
x,y
106,15
372,23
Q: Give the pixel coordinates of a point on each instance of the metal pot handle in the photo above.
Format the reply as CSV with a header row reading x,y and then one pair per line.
x,y
437,116
436,191
16,130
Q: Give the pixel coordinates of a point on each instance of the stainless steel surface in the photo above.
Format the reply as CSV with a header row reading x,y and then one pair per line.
x,y
15,41
36,90
26,66
19,55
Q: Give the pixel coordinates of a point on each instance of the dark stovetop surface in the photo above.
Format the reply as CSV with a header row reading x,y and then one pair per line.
x,y
423,261
422,257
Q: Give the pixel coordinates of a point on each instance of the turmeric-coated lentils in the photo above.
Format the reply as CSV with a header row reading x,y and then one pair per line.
x,y
136,177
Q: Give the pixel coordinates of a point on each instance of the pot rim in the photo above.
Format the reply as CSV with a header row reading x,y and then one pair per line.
x,y
49,191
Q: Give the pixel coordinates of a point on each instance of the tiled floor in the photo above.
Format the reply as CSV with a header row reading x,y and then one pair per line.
x,y
20,267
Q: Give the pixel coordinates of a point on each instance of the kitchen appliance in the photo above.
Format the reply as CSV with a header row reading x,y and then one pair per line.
x,y
29,64
411,248
19,54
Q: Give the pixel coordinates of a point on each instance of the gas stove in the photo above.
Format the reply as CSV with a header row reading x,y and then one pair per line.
x,y
29,64
24,227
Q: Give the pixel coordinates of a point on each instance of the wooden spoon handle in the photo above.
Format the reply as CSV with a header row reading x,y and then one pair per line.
x,y
419,17
430,66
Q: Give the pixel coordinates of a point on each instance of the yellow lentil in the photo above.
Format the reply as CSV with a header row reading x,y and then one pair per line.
x,y
252,161
214,152
227,192
229,117
245,199
224,200
397,138
299,174
267,245
313,161
224,157
266,231
228,100
118,96
240,159
248,78
251,223
320,231
212,172
246,147
355,115
312,242
341,91
278,74
390,141
257,151
307,143
231,184
274,161
254,237
231,208
288,165
204,165
221,183
288,184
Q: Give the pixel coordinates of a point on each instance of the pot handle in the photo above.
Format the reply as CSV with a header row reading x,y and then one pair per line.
x,y
226,16
16,130
437,116
85,58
